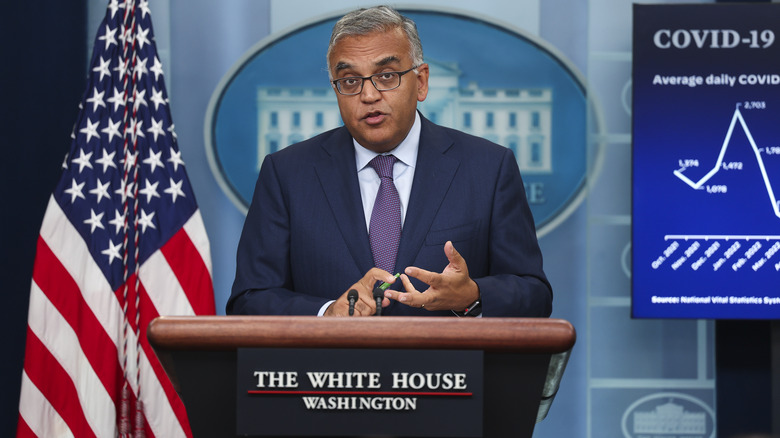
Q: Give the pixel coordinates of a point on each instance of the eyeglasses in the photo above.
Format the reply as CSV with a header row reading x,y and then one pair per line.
x,y
384,81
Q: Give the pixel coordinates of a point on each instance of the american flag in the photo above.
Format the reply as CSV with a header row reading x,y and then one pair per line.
x,y
122,242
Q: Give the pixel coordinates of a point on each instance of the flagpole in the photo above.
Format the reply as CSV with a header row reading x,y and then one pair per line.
x,y
130,164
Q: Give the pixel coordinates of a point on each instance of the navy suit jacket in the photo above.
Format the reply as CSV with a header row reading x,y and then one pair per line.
x,y
305,241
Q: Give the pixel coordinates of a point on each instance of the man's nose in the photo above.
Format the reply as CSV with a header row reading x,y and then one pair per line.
x,y
369,93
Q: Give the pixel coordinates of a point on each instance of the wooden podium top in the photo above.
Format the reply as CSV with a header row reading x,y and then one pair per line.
x,y
523,335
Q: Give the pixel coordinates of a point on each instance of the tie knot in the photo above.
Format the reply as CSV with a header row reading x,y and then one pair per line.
x,y
383,164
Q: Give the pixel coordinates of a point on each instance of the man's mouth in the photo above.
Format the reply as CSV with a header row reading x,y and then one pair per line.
x,y
374,117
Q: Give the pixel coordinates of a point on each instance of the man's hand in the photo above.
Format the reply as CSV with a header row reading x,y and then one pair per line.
x,y
365,305
453,289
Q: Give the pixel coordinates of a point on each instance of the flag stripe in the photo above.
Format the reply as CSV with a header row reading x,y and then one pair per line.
x,y
57,387
196,230
161,401
188,267
40,418
165,291
23,429
71,251
61,290
59,344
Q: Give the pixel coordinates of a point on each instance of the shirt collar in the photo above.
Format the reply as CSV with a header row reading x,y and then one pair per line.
x,y
406,152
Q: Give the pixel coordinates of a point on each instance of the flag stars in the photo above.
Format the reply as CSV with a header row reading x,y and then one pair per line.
x,y
154,161
139,99
75,191
95,221
129,160
112,130
140,68
97,99
156,129
103,68
135,129
175,189
156,68
112,251
157,98
83,160
146,221
144,6
108,36
176,159
121,68
150,191
107,160
101,191
141,38
125,190
117,99
125,35
91,130
118,222
113,6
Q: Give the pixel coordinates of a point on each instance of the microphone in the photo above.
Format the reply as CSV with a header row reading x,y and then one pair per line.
x,y
352,296
379,294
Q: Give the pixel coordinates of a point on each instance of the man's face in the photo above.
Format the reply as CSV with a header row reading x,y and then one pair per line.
x,y
378,120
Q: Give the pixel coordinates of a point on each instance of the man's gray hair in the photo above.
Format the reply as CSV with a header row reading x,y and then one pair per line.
x,y
377,19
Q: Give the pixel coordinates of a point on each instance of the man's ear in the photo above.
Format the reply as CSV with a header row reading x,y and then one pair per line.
x,y
422,82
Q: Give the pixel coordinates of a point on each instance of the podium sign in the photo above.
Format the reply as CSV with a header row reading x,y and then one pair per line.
x,y
346,392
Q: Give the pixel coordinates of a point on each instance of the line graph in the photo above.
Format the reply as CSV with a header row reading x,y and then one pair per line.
x,y
737,117
753,249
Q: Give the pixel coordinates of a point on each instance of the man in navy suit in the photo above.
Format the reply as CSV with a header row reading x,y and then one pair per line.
x,y
467,239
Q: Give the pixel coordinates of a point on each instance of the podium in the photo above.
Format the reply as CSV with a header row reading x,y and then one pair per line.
x,y
522,361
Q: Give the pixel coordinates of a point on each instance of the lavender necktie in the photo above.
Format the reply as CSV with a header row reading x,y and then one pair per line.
x,y
384,231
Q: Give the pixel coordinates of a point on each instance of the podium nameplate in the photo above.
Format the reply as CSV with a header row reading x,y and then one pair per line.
x,y
354,392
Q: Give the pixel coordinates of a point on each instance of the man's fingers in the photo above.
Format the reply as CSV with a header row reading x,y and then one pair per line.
x,y
374,275
457,263
454,257
366,303
411,297
427,277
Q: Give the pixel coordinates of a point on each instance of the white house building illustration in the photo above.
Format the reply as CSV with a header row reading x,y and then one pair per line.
x,y
517,118
670,418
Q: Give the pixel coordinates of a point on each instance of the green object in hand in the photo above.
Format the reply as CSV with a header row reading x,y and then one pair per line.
x,y
385,285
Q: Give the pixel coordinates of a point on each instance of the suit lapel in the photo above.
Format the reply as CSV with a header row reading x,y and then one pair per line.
x,y
432,178
338,175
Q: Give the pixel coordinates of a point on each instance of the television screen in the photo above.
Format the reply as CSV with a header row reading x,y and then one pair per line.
x,y
706,161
